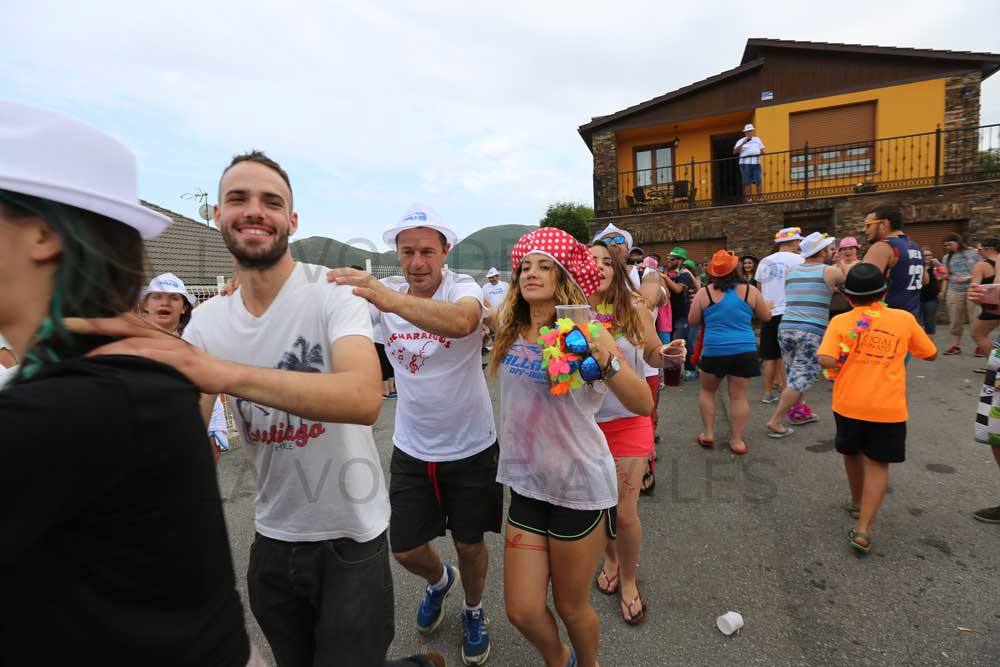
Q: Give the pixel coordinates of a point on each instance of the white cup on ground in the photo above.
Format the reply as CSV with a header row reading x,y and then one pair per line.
x,y
729,623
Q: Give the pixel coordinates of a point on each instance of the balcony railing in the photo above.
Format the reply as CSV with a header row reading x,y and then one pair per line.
x,y
917,160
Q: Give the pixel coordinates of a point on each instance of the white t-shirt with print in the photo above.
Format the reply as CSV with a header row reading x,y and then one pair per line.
x,y
495,293
750,150
6,374
443,409
315,480
771,277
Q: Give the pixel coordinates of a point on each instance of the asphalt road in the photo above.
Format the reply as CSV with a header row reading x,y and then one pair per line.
x,y
766,536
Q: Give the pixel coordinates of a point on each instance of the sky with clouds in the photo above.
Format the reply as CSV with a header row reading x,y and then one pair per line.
x,y
469,107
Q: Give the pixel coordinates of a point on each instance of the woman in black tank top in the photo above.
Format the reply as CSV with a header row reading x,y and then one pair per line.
x,y
984,273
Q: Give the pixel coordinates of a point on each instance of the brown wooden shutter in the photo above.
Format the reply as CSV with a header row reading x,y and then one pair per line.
x,y
698,251
854,123
931,234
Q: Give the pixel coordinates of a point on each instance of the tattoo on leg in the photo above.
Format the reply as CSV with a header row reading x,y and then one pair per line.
x,y
517,543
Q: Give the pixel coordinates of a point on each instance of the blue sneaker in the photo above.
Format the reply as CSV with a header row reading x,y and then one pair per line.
x,y
476,641
430,614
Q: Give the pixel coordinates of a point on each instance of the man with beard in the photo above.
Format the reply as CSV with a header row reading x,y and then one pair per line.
x,y
897,257
444,459
295,355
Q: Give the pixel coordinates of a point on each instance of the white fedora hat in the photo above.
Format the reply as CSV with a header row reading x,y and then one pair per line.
x,y
53,156
171,284
419,216
611,229
813,243
748,127
492,272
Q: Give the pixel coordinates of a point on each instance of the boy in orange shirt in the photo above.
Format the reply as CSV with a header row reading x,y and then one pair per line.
x,y
866,351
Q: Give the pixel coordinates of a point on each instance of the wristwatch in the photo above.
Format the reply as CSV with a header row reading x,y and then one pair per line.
x,y
613,367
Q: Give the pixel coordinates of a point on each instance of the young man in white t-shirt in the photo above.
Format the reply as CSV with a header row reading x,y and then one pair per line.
x,y
749,148
294,355
770,277
495,289
444,463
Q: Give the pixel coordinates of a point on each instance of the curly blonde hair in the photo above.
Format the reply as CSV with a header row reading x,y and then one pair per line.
x,y
514,315
624,299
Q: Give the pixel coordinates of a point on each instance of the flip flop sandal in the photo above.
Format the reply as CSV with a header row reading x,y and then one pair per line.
x,y
612,583
636,619
777,435
852,509
707,443
648,484
853,536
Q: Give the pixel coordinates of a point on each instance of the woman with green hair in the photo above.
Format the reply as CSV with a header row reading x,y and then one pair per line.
x,y
115,548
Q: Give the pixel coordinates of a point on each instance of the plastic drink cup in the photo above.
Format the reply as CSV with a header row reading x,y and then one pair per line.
x,y
580,314
729,623
673,356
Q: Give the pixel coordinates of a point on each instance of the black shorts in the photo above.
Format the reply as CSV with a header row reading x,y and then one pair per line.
x,y
769,348
387,370
558,523
989,316
879,441
745,365
428,498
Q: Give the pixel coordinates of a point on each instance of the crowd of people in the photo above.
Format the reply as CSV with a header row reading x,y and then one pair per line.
x,y
130,380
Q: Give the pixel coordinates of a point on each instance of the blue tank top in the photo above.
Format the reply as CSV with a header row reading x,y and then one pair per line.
x,y
727,324
807,299
906,277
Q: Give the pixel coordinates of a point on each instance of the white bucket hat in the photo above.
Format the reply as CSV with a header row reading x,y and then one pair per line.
x,y
419,216
492,272
748,127
170,284
52,156
611,229
813,243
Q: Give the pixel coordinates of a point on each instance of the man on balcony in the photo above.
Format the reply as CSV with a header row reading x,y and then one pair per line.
x,y
749,148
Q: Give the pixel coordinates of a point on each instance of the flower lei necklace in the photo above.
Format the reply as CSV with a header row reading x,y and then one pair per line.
x,y
860,327
566,355
605,315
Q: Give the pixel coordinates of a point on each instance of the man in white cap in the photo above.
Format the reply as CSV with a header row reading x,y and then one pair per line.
x,y
808,289
494,290
167,303
444,460
771,278
749,148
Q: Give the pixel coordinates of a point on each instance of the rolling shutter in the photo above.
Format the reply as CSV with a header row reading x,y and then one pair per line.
x,y
931,234
699,251
854,123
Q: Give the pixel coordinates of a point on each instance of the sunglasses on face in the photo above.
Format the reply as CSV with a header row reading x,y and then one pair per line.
x,y
633,261
608,240
873,222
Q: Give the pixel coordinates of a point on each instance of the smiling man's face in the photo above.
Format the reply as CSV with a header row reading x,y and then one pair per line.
x,y
254,215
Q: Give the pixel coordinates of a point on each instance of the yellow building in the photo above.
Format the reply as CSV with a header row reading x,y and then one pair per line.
x,y
835,120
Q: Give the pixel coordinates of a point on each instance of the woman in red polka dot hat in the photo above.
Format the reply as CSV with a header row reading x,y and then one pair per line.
x,y
553,456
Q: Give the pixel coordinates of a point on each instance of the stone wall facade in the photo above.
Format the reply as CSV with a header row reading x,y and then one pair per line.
x,y
750,228
961,120
605,147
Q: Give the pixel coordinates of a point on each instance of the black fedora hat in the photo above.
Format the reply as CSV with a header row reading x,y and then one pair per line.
x,y
864,280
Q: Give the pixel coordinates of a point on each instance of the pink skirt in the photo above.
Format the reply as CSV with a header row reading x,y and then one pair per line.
x,y
629,436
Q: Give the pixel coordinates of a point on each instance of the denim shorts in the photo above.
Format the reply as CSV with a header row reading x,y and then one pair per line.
x,y
750,173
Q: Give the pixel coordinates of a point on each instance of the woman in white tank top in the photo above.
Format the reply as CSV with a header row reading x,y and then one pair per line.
x,y
553,456
625,313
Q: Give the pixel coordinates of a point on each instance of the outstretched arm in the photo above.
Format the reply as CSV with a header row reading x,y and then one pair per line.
x,y
452,320
350,395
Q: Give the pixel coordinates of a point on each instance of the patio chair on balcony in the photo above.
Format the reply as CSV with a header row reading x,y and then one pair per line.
x,y
630,200
639,194
683,190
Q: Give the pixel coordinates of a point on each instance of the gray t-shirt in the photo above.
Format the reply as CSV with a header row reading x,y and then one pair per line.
x,y
315,480
959,265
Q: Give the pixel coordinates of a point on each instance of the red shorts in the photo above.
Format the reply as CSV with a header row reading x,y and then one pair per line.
x,y
629,436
